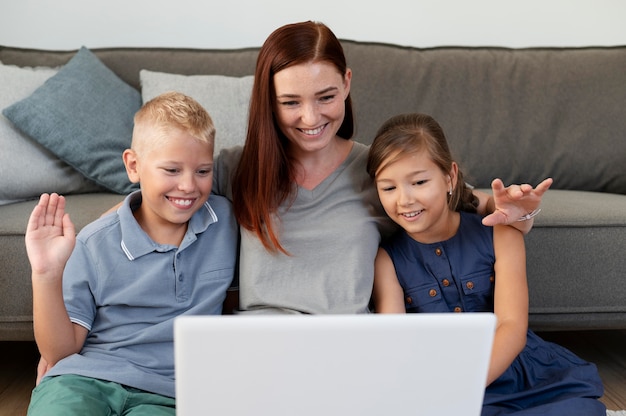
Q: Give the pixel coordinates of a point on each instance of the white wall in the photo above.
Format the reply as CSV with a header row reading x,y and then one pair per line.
x,y
68,24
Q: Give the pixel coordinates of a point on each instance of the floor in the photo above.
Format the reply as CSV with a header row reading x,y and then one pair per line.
x,y
607,349
18,363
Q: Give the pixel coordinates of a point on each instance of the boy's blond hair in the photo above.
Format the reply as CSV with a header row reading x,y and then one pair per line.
x,y
170,110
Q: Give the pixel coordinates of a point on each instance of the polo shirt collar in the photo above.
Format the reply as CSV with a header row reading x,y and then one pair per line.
x,y
136,243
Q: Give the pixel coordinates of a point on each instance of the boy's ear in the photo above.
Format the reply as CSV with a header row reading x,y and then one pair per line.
x,y
130,162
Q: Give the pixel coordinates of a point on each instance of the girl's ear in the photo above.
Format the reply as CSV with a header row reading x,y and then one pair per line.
x,y
130,162
453,175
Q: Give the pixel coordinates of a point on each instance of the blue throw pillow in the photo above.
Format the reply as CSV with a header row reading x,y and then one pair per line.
x,y
83,115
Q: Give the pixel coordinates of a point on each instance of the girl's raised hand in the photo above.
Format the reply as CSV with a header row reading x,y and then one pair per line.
x,y
515,203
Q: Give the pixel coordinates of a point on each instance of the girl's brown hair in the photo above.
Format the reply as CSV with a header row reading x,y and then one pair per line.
x,y
264,178
409,133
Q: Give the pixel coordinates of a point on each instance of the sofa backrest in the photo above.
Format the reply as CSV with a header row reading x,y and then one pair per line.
x,y
518,114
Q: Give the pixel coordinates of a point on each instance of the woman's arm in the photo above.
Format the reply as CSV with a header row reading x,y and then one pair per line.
x,y
509,204
388,294
510,299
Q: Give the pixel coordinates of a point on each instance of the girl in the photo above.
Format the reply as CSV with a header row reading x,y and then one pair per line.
x,y
445,260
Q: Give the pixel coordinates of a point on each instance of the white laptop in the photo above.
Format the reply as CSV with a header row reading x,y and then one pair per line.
x,y
332,365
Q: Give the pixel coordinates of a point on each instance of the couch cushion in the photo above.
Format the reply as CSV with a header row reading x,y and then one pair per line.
x,y
27,169
225,98
84,115
16,302
575,261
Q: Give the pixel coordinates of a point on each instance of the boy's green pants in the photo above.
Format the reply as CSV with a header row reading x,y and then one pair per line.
x,y
69,395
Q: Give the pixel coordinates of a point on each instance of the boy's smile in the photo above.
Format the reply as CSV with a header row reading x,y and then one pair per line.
x,y
176,177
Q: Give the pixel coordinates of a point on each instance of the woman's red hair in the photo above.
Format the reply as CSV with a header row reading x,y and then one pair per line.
x,y
264,178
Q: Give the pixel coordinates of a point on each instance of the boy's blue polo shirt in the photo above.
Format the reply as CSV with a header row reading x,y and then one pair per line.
x,y
127,290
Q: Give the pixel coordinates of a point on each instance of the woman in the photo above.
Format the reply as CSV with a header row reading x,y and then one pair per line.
x,y
309,215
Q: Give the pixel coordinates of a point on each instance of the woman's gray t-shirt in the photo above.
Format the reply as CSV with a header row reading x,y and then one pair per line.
x,y
332,234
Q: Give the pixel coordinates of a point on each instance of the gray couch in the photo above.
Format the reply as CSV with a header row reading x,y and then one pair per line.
x,y
518,114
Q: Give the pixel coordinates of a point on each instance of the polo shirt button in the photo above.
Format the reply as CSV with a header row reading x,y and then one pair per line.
x,y
180,278
432,293
438,251
408,300
445,282
469,285
492,278
457,309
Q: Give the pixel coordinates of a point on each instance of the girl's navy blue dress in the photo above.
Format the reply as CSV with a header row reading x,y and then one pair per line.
x,y
457,275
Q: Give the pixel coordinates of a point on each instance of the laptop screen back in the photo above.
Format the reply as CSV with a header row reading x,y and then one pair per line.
x,y
361,365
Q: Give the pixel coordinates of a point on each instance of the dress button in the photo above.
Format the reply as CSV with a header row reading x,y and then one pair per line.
x,y
445,282
469,285
408,300
457,309
438,251
432,293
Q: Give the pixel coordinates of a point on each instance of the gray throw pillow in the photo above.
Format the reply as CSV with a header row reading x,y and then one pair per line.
x,y
27,169
84,115
225,98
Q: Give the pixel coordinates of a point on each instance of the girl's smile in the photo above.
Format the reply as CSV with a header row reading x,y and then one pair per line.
x,y
413,192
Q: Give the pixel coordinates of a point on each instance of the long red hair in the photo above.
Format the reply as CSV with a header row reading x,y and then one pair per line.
x,y
264,178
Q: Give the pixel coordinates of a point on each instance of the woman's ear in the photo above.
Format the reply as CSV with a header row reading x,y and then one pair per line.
x,y
347,80
130,162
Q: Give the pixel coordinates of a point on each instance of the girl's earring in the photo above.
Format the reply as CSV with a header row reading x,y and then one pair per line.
x,y
450,191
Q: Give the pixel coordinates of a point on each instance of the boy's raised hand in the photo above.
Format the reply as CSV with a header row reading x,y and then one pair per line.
x,y
50,236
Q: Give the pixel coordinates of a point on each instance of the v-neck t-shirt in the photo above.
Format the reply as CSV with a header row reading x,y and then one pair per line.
x,y
331,233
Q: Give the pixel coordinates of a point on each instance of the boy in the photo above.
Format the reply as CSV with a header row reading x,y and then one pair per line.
x,y
105,324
